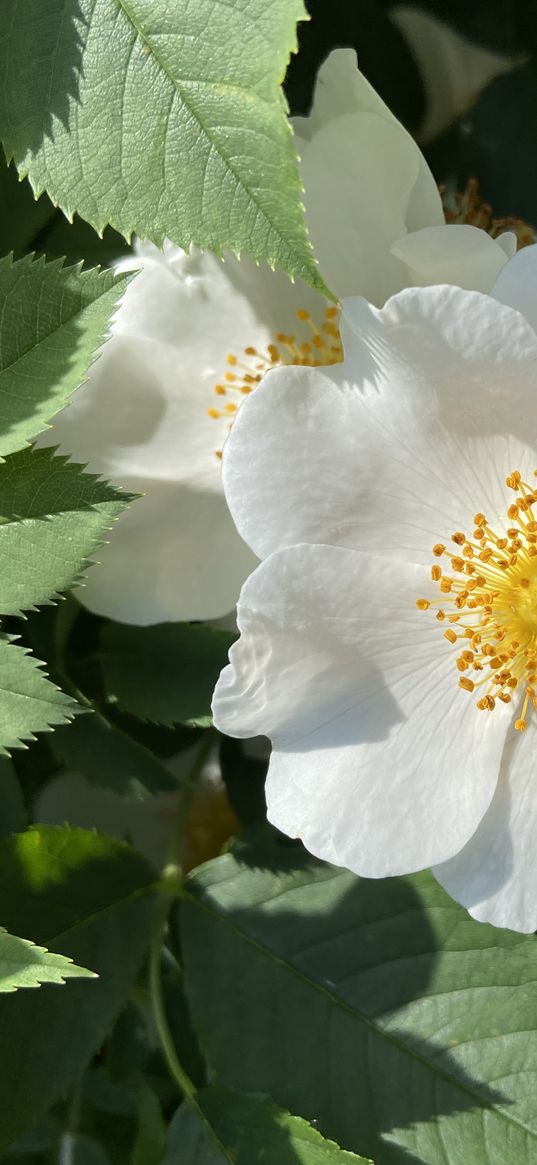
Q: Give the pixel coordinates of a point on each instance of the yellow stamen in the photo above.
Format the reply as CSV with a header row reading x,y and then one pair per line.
x,y
321,348
495,605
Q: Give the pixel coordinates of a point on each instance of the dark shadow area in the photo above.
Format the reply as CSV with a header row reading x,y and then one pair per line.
x,y
338,997
29,225
244,777
40,67
383,55
493,129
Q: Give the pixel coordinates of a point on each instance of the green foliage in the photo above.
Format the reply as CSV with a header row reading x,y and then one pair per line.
x,y
160,117
53,318
90,899
108,757
23,964
223,1128
404,1005
52,517
29,703
151,1133
164,673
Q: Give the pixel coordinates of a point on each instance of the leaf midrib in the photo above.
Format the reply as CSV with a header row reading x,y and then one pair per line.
x,y
356,1015
141,892
124,7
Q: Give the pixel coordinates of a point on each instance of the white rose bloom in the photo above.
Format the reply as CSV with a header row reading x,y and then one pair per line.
x,y
389,637
193,335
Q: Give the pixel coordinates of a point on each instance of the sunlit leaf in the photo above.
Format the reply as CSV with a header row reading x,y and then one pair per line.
x,y
23,964
52,320
162,117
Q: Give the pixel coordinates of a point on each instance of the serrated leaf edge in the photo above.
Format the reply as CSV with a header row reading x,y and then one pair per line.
x,y
70,971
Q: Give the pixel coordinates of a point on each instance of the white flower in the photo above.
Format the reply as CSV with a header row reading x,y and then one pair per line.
x,y
148,417
424,438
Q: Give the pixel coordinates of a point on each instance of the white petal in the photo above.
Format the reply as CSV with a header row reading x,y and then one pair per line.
x,y
495,875
201,304
358,175
144,408
380,760
341,88
454,70
508,242
458,254
400,445
516,284
142,421
366,182
174,555
140,415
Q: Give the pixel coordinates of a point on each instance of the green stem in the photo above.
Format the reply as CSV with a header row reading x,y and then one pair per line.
x,y
170,886
159,1011
177,1071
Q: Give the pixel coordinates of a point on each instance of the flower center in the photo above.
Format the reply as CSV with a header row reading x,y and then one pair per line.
x,y
314,346
489,600
468,207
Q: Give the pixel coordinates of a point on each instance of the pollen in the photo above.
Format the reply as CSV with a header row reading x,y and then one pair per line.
x,y
492,605
314,345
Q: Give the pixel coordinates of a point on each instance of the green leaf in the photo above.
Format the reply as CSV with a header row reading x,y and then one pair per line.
x,y
52,517
385,1010
161,117
110,758
165,673
53,319
23,964
223,1128
29,702
89,898
151,1132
